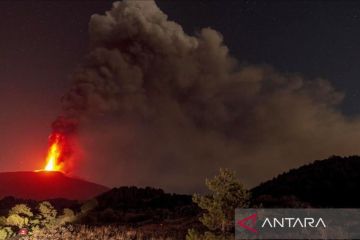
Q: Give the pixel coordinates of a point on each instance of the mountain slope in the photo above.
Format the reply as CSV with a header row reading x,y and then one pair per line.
x,y
142,206
334,182
46,185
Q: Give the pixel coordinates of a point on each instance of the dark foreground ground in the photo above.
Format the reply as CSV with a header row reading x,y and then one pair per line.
x,y
148,213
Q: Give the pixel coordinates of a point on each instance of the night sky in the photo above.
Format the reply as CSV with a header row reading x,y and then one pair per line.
x,y
42,42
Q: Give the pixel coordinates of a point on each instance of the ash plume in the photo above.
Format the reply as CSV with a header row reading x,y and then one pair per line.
x,y
167,109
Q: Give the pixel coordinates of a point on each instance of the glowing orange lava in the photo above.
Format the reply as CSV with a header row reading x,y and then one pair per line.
x,y
55,152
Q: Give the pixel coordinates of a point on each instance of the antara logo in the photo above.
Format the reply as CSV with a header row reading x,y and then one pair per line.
x,y
291,222
285,222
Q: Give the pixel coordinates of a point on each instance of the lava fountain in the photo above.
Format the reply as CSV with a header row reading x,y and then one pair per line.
x,y
61,146
56,153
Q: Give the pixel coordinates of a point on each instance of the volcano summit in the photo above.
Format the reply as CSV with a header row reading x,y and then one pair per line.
x,y
47,185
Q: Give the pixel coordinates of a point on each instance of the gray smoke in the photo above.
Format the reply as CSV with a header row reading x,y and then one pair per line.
x,y
168,109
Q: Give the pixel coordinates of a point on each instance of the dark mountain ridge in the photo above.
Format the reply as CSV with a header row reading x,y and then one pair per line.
x,y
333,182
132,205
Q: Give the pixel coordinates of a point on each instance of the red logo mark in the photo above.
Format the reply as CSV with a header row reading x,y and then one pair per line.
x,y
253,219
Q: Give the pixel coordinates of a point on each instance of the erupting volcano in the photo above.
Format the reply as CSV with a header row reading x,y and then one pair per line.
x,y
51,181
60,150
54,159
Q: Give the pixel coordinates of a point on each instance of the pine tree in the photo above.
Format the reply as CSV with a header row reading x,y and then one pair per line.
x,y
227,193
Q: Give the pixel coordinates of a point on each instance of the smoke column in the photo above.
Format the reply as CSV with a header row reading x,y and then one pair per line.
x,y
159,107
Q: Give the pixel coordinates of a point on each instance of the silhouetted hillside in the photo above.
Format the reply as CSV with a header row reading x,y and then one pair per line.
x,y
141,198
141,205
334,182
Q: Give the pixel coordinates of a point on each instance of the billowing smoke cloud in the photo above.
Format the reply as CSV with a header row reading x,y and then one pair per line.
x,y
168,109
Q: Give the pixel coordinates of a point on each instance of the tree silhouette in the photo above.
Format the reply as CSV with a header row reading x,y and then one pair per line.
x,y
227,194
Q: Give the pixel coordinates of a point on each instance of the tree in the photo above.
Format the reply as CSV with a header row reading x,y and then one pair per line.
x,y
16,220
47,214
19,216
227,193
22,210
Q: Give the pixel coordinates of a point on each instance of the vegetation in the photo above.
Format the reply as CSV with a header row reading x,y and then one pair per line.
x,y
132,213
227,193
147,213
71,232
139,206
43,217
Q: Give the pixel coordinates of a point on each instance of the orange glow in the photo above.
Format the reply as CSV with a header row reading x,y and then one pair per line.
x,y
55,152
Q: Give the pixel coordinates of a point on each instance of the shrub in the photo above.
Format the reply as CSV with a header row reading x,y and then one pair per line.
x,y
19,216
5,232
67,216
